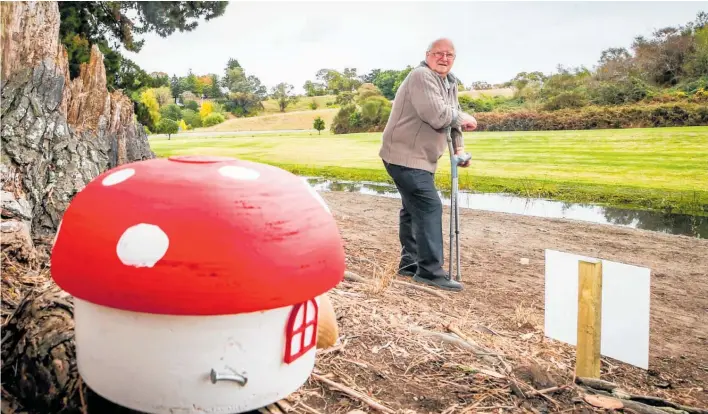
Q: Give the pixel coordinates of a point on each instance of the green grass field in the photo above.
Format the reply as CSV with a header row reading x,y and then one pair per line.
x,y
659,168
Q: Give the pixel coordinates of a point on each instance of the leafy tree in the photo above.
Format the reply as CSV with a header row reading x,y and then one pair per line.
x,y
167,126
163,95
344,98
214,89
245,92
114,24
696,64
367,90
337,82
314,88
148,99
175,86
183,125
171,111
319,125
282,93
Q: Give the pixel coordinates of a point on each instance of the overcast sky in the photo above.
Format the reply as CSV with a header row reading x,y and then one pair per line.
x,y
291,41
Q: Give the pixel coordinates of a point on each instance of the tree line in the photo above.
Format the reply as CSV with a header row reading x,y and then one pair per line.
x,y
667,71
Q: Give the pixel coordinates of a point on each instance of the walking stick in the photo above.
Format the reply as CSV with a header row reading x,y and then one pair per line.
x,y
455,160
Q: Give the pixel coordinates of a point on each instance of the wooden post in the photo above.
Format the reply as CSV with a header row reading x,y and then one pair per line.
x,y
587,356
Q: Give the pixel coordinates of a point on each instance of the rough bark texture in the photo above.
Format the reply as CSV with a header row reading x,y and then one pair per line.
x,y
57,135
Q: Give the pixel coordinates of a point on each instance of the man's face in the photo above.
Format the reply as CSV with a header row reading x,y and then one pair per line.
x,y
441,57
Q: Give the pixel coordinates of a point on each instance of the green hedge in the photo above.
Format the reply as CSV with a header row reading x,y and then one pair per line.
x,y
596,117
589,117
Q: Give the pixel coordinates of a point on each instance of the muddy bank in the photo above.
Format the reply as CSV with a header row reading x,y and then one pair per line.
x,y
508,297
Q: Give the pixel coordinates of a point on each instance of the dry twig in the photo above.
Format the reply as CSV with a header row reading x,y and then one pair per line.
x,y
353,393
353,277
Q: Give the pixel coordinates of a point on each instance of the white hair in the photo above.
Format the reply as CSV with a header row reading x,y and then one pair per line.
x,y
436,41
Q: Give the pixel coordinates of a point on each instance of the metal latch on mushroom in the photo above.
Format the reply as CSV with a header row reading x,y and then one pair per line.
x,y
232,376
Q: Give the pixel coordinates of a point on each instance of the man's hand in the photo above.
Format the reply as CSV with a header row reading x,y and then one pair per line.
x,y
461,151
468,122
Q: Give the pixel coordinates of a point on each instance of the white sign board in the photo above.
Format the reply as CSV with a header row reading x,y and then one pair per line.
x,y
625,306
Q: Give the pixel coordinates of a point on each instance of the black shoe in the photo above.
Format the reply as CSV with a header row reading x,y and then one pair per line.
x,y
441,282
407,269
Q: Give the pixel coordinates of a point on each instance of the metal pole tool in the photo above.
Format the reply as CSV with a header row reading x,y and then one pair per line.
x,y
455,161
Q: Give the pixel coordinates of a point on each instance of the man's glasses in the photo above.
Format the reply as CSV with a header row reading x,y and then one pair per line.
x,y
441,55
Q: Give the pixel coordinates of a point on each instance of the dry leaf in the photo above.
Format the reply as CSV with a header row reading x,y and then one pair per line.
x,y
600,401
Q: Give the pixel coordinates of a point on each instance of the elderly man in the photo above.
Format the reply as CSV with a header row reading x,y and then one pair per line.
x,y
414,139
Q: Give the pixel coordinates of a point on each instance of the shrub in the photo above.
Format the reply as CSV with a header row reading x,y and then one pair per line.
x,y
620,93
193,105
340,123
486,103
565,100
371,115
213,118
192,118
348,120
313,105
206,109
595,117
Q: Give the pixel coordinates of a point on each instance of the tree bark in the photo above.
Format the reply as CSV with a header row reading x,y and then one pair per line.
x,y
57,135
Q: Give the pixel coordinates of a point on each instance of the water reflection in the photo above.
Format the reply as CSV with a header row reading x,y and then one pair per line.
x,y
683,224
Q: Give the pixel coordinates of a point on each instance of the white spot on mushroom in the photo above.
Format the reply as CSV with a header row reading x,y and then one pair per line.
x,y
118,176
238,173
317,197
142,245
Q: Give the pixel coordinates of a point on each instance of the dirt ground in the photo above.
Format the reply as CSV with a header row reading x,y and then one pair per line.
x,y
388,352
501,309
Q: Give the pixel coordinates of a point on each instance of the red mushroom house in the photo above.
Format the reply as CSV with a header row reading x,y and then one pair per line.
x,y
196,282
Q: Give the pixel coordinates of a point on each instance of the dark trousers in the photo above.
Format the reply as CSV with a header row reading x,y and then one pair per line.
x,y
420,221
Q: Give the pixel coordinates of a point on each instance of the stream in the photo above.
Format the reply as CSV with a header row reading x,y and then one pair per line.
x,y
680,224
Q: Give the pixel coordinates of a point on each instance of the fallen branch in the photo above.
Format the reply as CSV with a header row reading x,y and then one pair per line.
x,y
353,277
353,393
639,403
597,384
454,329
546,391
307,408
453,340
475,370
421,288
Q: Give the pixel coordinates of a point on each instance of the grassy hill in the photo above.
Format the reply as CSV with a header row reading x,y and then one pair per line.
x,y
300,120
303,104
300,116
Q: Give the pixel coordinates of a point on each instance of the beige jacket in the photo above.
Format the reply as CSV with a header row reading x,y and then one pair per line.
x,y
416,132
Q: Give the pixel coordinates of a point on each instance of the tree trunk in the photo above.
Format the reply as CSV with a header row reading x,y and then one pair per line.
x,y
57,135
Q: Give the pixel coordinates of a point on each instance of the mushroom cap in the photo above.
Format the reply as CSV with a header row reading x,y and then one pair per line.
x,y
197,235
